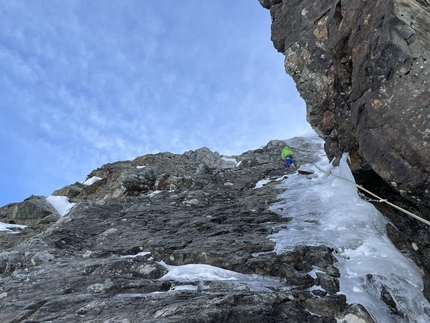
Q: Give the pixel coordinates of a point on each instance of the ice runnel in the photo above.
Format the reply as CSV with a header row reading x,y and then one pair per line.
x,y
328,211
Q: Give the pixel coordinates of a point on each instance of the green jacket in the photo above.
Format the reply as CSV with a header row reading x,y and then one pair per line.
x,y
286,151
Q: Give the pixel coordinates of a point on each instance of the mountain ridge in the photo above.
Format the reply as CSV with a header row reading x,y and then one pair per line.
x,y
100,260
103,260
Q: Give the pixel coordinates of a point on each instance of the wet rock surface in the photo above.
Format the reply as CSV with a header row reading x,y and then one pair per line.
x,y
363,69
104,261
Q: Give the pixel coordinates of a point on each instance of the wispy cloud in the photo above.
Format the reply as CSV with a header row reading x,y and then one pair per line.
x,y
87,83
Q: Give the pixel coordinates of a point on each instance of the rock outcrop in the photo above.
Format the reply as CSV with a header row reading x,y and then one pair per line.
x,y
363,69
106,259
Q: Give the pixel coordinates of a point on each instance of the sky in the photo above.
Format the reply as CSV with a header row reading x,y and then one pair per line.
x,y
85,83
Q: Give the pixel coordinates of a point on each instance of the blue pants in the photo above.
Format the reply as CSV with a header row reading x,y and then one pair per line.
x,y
289,160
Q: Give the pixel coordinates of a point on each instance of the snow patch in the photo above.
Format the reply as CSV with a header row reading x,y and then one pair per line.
x,y
60,203
6,227
91,180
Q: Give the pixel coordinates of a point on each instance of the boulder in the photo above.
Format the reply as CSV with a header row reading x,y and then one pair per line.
x,y
32,210
71,191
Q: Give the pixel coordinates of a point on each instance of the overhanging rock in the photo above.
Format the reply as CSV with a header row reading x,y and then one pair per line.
x,y
363,69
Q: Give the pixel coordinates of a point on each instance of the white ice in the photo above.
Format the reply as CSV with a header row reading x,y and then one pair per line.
x,y
140,254
155,193
265,181
328,211
201,272
61,204
152,295
261,183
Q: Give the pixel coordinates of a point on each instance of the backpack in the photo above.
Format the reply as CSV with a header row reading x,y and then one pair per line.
x,y
286,151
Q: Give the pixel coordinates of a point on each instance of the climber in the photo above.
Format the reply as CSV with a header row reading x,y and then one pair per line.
x,y
287,157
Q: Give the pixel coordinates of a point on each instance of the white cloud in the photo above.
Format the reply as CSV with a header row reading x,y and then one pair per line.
x,y
92,82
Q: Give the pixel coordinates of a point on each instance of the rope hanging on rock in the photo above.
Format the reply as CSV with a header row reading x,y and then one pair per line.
x,y
379,199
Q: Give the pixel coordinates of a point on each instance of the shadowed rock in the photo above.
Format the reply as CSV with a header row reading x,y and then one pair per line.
x,y
103,260
363,68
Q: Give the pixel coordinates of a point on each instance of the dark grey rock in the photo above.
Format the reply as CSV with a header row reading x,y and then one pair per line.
x,y
70,191
31,210
363,69
102,262
328,283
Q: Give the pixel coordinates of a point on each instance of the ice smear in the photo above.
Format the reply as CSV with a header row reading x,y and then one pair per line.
x,y
200,272
135,295
61,204
174,289
328,211
140,254
155,193
261,183
6,227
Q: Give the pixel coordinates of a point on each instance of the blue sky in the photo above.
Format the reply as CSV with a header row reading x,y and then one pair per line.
x,y
84,83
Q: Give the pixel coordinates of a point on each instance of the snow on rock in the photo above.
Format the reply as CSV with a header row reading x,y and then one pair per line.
x,y
227,162
229,159
61,204
7,227
91,180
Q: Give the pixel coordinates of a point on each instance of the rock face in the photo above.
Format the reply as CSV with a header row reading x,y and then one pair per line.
x,y
106,259
363,68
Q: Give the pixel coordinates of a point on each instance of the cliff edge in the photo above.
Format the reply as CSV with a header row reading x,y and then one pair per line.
x,y
362,68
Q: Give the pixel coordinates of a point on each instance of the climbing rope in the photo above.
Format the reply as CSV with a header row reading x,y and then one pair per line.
x,y
368,199
379,199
